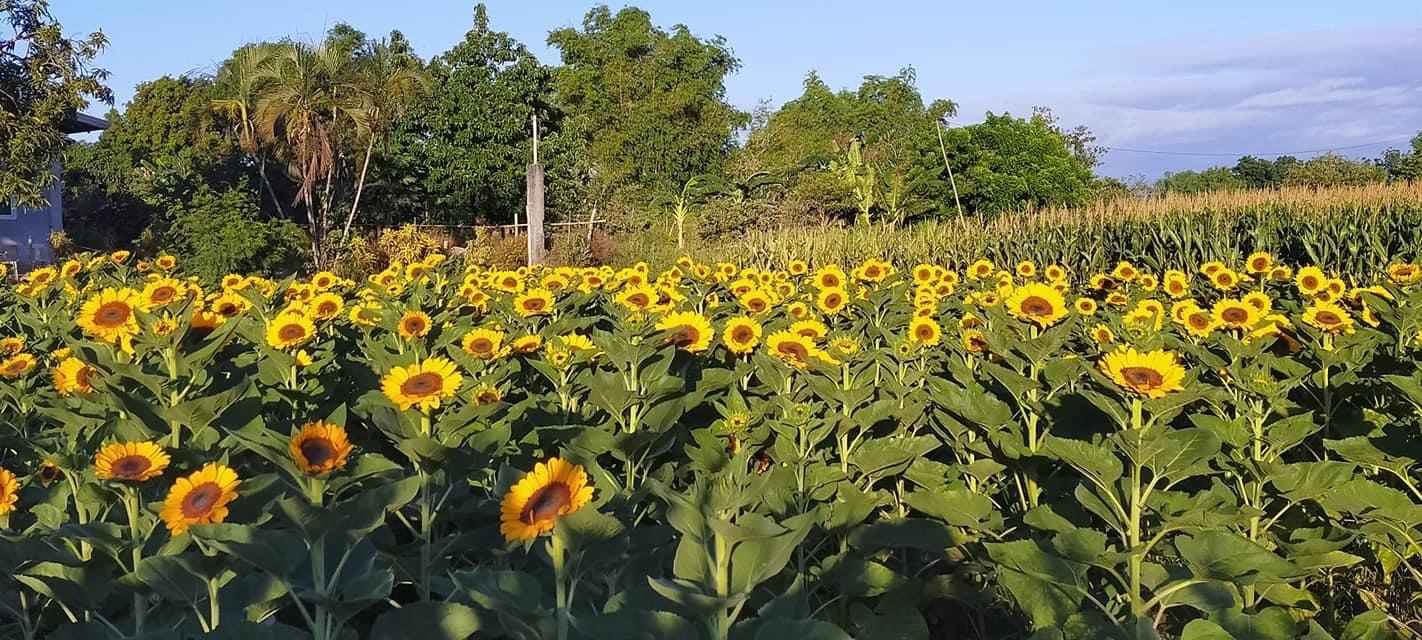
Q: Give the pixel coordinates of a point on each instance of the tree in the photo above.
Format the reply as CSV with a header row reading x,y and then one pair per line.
x,y
1331,170
1007,163
1211,179
44,79
388,79
648,104
239,84
1256,173
463,149
1079,139
1404,166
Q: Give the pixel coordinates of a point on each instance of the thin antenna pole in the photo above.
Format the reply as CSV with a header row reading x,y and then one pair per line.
x,y
535,138
944,148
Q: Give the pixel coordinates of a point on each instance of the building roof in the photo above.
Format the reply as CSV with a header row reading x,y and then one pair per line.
x,y
83,123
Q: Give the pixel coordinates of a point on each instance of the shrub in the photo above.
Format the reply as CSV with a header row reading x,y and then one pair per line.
x,y
221,232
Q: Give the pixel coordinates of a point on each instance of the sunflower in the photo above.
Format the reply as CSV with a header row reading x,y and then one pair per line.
x,y
230,304
486,394
975,341
1259,262
200,498
524,345
1259,300
484,344
366,314
1225,279
831,300
810,328
1235,314
795,350
423,384
320,447
161,292
130,461
756,301
289,330
16,365
414,324
1152,374
637,297
830,277
533,505
534,302
797,267
1404,273
1085,306
203,322
326,306
1037,303
577,342
109,316
1177,284
981,269
1200,323
1102,334
9,492
844,346
741,335
924,331
1329,317
687,330
72,376
1310,280
11,346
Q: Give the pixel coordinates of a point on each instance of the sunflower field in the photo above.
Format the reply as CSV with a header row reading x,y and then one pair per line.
x,y
712,452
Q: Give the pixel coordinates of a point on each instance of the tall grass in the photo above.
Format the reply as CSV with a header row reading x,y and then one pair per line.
x,y
1349,229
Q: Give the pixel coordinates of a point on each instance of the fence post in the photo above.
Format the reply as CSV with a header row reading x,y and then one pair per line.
x,y
535,214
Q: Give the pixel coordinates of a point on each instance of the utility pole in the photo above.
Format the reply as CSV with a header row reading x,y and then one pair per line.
x,y
534,211
944,148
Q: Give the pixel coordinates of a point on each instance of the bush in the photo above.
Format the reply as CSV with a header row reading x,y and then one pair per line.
x,y
222,232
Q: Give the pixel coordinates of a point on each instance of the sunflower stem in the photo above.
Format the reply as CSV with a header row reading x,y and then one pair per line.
x,y
426,530
140,606
558,552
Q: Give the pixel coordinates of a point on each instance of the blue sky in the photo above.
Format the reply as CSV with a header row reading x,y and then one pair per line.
x,y
1205,76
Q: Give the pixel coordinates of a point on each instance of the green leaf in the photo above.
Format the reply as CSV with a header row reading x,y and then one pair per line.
x,y
780,629
907,533
433,620
1370,625
959,508
1046,587
1227,556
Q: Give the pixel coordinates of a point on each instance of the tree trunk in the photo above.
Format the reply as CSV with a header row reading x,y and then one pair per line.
x,y
262,170
360,186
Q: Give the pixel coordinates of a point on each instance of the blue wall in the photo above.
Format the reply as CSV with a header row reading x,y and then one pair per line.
x,y
25,239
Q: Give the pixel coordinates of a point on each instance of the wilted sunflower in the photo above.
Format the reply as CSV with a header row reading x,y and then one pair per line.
x,y
1235,314
320,447
741,335
688,330
109,316
130,461
1152,374
533,505
9,491
72,376
924,331
16,365
289,330
422,385
534,302
1037,303
484,344
1329,317
414,324
200,498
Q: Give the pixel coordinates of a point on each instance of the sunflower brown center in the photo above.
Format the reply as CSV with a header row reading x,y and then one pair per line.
x,y
83,377
112,314
318,451
1142,377
1199,320
292,332
683,335
163,295
423,384
1235,315
638,299
533,304
977,344
326,308
793,350
756,304
1309,282
742,334
1261,264
487,396
200,500
226,310
546,503
1036,306
481,346
414,325
924,332
1328,318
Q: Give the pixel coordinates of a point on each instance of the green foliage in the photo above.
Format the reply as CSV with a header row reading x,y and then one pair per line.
x,y
218,233
648,104
47,77
1006,163
1212,179
1331,170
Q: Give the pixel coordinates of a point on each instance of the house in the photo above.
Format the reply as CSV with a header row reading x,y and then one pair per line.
x,y
24,232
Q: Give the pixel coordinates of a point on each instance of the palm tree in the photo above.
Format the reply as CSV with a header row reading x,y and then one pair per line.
x,y
387,81
243,81
303,106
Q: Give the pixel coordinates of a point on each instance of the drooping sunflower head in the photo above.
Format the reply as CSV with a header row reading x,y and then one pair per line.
x,y
688,330
1329,317
17,365
484,344
525,345
289,330
1153,374
533,505
975,341
72,376
130,461
1037,303
413,324
200,498
924,331
423,385
534,302
487,394
741,335
320,448
9,492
